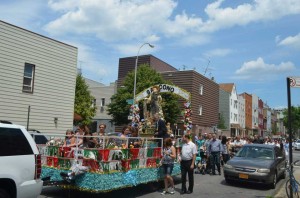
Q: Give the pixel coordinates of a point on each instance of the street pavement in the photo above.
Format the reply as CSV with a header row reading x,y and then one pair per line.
x,y
206,186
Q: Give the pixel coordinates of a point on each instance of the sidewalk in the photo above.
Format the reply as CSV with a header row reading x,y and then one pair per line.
x,y
281,190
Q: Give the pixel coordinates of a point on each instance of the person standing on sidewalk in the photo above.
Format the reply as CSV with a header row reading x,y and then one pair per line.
x,y
215,150
187,162
167,163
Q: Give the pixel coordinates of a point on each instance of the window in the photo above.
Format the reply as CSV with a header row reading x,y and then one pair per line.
x,y
102,102
13,142
201,89
28,79
200,109
94,103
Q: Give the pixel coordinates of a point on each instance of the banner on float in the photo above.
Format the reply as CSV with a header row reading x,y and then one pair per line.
x,y
165,88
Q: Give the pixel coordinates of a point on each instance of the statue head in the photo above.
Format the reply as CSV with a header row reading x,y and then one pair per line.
x,y
155,89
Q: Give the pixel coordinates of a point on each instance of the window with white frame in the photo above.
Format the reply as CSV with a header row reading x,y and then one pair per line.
x,y
200,109
28,79
102,102
201,89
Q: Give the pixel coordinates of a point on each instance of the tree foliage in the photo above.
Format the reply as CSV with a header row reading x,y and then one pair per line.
x,y
295,119
221,124
83,104
146,77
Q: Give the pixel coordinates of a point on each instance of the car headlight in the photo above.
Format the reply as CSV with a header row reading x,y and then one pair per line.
x,y
263,170
227,166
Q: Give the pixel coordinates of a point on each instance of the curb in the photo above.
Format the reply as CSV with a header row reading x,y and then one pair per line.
x,y
280,192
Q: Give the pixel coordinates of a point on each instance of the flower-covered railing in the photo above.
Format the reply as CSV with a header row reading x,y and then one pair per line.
x,y
115,163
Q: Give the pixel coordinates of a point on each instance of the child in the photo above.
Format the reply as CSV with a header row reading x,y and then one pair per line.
x,y
76,170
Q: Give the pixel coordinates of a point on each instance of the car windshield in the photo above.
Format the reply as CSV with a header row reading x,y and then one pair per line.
x,y
256,152
298,141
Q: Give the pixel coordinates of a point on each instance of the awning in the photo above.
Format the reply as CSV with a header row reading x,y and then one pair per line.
x,y
235,125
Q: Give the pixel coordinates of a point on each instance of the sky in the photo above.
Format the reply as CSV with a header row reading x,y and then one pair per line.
x,y
252,43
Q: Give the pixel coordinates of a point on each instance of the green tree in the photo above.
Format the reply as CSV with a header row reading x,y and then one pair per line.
x,y
83,104
146,77
295,119
221,124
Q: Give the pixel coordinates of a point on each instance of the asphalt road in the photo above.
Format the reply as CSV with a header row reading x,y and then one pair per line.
x,y
205,186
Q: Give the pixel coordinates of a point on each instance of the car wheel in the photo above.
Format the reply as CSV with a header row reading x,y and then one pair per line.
x,y
4,194
273,184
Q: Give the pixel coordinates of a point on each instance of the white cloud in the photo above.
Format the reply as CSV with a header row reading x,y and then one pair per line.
x,y
127,20
260,10
258,70
132,49
218,52
293,41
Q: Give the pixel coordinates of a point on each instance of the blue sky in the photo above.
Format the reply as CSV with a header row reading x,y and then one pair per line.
x,y
252,43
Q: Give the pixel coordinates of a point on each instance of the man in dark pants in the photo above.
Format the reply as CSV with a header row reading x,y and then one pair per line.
x,y
187,162
161,130
215,149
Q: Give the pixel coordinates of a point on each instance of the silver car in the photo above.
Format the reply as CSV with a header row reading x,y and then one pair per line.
x,y
256,163
297,145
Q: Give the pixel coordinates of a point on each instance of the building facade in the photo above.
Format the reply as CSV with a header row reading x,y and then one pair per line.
x,y
255,114
205,98
102,95
241,116
37,80
204,91
233,107
248,113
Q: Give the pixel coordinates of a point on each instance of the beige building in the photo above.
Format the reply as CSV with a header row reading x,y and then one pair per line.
x,y
102,94
40,73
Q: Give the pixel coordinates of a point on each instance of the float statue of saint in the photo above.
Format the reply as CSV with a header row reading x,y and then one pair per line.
x,y
155,100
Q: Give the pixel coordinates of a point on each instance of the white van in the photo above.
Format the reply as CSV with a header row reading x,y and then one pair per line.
x,y
20,163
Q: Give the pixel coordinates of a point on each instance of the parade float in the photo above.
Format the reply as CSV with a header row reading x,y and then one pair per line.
x,y
111,167
115,163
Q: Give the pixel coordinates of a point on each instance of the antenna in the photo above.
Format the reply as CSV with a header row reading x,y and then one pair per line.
x,y
79,70
206,69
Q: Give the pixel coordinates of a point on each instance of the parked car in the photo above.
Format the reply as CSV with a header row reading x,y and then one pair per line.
x,y
20,163
38,137
256,163
297,145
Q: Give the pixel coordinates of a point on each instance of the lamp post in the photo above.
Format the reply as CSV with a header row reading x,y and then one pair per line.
x,y
135,69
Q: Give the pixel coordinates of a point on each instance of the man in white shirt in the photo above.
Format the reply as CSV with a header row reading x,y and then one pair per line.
x,y
238,143
187,162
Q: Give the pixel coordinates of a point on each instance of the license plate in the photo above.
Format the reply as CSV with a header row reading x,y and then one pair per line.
x,y
243,176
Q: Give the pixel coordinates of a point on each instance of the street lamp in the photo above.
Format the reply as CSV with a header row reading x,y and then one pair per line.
x,y
135,69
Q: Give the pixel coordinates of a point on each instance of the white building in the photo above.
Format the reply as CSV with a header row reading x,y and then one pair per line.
x,y
102,94
233,107
255,110
36,72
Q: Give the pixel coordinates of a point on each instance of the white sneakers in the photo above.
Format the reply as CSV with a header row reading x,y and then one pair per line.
x,y
166,192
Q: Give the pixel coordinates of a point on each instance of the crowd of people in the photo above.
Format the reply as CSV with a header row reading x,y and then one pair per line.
x,y
203,153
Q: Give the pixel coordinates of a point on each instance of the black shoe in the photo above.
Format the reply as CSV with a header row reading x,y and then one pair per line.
x,y
63,174
182,192
189,192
